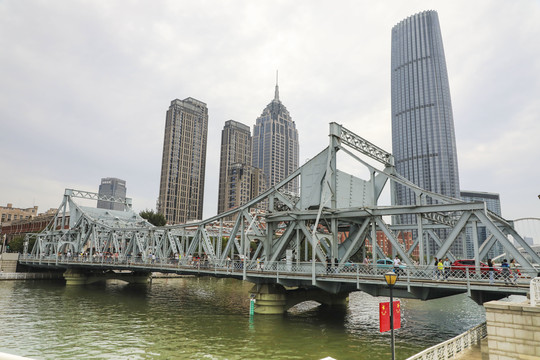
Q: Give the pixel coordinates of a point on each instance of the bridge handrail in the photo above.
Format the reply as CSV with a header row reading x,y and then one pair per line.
x,y
450,348
407,274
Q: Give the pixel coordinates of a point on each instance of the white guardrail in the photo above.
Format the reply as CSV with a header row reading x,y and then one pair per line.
x,y
453,347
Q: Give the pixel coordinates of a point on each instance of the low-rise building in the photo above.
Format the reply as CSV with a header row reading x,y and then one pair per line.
x,y
9,213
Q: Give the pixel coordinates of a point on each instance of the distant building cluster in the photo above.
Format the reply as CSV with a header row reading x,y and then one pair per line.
x,y
9,213
249,164
404,238
20,221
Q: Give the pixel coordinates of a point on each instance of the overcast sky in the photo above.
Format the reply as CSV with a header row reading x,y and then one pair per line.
x,y
84,86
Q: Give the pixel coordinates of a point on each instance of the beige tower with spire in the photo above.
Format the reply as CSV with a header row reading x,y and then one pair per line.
x,y
275,143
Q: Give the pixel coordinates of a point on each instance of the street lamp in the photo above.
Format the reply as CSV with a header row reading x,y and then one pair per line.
x,y
391,278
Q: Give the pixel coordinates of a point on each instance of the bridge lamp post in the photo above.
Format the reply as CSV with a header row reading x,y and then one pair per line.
x,y
391,278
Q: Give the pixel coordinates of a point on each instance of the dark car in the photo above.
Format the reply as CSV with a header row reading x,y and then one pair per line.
x,y
459,268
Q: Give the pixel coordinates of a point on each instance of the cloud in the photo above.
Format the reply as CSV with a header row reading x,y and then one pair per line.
x,y
85,86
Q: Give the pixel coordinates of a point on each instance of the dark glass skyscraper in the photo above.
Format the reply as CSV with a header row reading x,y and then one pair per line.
x,y
112,187
423,138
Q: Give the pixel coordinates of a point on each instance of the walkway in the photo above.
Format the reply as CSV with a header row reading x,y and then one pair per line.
x,y
476,352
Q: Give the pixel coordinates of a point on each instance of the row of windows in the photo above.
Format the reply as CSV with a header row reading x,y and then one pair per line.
x,y
8,217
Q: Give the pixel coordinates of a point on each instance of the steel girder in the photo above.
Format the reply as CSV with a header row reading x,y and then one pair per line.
x,y
332,217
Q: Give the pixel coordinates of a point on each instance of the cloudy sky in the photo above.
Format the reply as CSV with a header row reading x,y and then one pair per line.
x,y
84,86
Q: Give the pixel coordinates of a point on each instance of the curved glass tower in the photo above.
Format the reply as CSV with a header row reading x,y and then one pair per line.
x,y
423,138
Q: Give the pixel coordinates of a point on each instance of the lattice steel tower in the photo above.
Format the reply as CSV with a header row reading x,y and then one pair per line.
x,y
423,138
181,189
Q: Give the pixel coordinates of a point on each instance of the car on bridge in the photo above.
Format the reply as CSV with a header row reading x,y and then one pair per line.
x,y
459,268
389,264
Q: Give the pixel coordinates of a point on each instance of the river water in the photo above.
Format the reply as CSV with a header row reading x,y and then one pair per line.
x,y
208,318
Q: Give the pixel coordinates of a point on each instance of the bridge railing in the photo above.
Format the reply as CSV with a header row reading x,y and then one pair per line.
x,y
453,347
347,270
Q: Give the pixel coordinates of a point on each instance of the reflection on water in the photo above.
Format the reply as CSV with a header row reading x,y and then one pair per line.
x,y
207,318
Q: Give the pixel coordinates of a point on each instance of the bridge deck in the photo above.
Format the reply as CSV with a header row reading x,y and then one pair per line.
x,y
421,282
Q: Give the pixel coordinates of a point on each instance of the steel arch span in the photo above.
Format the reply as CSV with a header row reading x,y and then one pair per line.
x,y
332,219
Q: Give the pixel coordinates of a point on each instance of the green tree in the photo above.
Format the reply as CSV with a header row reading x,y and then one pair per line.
x,y
16,244
153,218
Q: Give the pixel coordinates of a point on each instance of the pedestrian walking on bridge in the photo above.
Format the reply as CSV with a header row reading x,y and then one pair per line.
x,y
490,266
506,272
446,265
440,269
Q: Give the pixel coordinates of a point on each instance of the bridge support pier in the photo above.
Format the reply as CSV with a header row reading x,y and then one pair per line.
x,y
74,277
270,299
275,299
78,277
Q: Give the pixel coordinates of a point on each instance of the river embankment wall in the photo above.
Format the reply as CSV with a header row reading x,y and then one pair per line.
x,y
513,330
8,262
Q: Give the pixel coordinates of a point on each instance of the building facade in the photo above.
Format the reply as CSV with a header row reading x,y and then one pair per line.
x,y
181,190
8,213
493,203
423,136
235,151
404,238
275,144
112,188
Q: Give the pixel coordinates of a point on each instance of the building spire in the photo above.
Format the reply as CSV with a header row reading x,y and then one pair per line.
x,y
276,95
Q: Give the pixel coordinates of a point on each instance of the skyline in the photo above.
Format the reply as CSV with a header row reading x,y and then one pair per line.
x,y
105,73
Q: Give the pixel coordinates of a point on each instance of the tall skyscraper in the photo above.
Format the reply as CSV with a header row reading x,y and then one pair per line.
x,y
181,189
115,188
275,143
423,138
235,153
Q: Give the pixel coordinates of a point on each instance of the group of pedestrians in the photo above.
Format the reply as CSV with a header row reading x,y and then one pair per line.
x,y
509,272
442,269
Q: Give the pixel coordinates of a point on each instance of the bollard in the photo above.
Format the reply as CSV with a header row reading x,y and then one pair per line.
x,y
252,305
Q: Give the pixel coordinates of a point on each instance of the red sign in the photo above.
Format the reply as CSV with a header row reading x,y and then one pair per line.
x,y
384,316
397,315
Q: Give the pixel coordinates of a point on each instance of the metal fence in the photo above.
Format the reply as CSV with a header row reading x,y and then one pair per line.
x,y
347,270
453,347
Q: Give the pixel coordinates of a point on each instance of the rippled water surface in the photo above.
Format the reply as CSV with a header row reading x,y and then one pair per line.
x,y
207,318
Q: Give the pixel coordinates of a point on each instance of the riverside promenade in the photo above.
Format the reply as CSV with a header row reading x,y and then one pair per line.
x,y
476,352
511,332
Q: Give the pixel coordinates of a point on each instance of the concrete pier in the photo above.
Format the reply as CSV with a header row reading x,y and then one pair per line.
x,y
77,277
275,299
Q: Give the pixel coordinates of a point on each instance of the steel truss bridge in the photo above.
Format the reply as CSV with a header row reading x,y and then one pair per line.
x,y
313,240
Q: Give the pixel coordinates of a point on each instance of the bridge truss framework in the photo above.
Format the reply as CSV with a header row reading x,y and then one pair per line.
x,y
329,220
